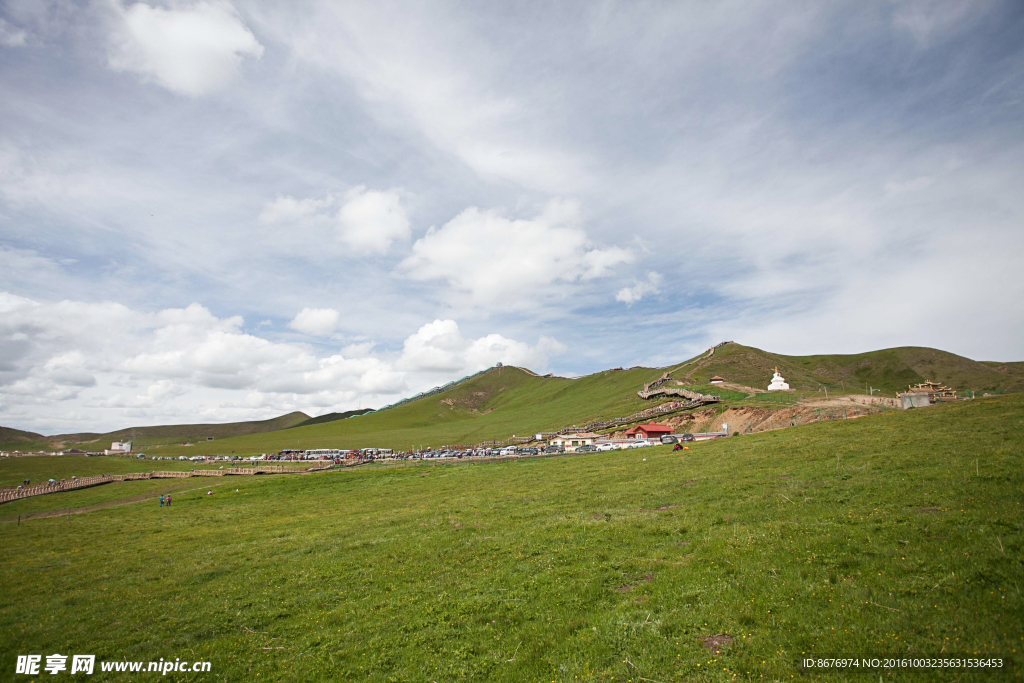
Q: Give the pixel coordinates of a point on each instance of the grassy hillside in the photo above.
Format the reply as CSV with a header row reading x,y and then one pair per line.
x,y
891,370
17,440
495,405
332,417
887,535
146,437
500,403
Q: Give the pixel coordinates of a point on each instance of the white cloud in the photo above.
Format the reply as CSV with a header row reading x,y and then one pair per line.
x,y
316,321
186,365
439,347
640,289
358,350
190,49
370,220
497,259
929,19
290,210
10,35
367,221
422,66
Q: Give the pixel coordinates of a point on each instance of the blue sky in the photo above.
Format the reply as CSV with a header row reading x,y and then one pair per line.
x,y
215,211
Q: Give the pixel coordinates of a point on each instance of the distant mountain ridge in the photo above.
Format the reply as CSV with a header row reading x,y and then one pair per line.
x,y
890,370
142,437
331,417
498,403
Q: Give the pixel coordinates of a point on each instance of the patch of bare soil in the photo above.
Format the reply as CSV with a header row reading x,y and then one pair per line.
x,y
742,387
472,401
716,642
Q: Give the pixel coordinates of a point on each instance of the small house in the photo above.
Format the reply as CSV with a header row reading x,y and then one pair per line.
x,y
717,380
648,431
571,442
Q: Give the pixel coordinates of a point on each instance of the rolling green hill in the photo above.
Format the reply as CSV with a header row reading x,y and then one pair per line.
x,y
17,440
891,370
494,405
331,417
506,401
145,437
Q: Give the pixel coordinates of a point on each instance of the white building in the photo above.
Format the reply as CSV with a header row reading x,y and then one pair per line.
x,y
121,447
778,383
570,442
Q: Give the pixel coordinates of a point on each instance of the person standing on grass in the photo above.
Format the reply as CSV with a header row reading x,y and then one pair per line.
x,y
161,501
168,500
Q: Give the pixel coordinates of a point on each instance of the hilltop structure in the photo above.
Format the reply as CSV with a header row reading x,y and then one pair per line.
x,y
778,382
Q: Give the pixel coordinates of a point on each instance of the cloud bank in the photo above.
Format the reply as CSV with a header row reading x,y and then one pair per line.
x,y
118,366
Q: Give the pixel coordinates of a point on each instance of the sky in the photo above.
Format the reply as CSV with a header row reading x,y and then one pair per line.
x,y
215,211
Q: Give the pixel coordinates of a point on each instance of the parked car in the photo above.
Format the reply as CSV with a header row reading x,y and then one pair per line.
x,y
554,449
528,451
668,438
601,448
588,448
685,437
640,443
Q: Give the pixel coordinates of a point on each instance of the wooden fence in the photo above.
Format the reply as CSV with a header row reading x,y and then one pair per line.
x,y
19,492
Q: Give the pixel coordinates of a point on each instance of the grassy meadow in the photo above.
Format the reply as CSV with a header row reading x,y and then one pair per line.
x,y
14,471
891,534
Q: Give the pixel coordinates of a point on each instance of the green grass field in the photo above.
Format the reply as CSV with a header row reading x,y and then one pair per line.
x,y
94,495
891,534
13,471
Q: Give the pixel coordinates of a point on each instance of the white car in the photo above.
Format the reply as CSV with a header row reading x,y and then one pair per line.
x,y
601,448
640,443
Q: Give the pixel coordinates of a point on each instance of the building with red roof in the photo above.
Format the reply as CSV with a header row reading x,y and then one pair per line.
x,y
648,431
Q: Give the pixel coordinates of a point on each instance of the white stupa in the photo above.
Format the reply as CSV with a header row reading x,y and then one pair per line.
x,y
778,383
